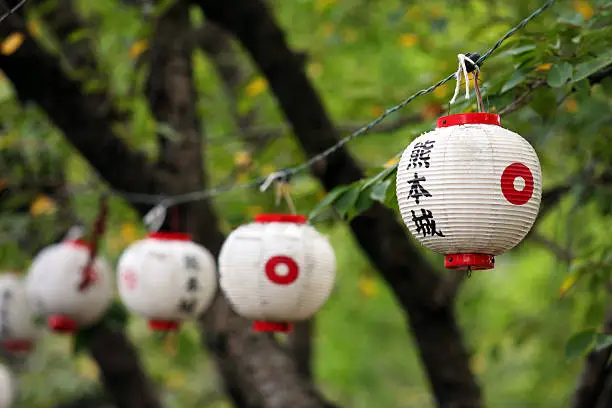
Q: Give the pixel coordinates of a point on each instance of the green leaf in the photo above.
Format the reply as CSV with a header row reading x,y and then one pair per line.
x,y
579,343
347,200
327,201
602,341
363,202
116,316
515,79
560,74
544,101
585,69
383,175
379,191
188,347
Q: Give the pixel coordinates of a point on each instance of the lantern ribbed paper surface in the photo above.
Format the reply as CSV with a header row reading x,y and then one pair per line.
x,y
53,282
276,270
167,278
7,387
18,331
470,189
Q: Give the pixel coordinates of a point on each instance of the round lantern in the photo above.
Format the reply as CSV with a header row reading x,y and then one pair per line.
x,y
469,189
7,387
276,270
53,288
18,330
167,278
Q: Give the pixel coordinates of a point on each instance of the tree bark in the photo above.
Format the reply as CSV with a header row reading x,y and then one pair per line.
x,y
256,371
383,239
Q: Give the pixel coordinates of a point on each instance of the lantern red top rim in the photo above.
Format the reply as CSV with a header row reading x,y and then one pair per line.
x,y
170,236
472,118
288,218
79,243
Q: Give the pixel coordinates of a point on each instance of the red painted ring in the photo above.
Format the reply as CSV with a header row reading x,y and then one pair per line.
x,y
274,277
482,118
81,243
511,173
475,262
289,218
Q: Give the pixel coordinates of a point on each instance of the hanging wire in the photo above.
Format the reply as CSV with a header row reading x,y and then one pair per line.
x,y
10,11
156,216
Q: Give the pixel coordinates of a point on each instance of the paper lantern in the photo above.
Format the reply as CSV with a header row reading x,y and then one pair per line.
x,y
276,270
469,189
53,283
167,278
7,387
18,330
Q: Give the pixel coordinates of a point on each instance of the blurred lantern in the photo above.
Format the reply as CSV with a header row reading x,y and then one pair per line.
x,y
55,286
18,330
7,387
469,189
276,270
167,278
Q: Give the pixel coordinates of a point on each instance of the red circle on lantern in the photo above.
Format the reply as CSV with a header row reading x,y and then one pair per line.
x,y
129,279
511,173
287,279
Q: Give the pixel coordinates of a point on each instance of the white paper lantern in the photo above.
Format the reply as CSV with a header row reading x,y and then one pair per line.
x,y
18,330
53,282
167,278
7,387
276,270
469,189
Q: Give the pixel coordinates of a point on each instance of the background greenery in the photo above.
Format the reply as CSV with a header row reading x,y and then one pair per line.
x,y
363,57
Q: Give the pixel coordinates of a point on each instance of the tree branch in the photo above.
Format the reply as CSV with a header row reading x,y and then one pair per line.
x,y
593,377
255,369
37,77
413,280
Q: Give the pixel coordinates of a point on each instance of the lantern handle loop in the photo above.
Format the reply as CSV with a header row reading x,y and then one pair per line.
x,y
464,69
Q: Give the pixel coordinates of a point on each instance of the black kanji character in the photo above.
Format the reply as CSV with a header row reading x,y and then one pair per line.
x,y
187,306
191,263
420,154
7,294
416,189
192,284
425,224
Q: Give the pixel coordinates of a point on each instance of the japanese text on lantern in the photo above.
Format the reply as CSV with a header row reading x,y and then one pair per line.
x,y
7,295
420,157
187,304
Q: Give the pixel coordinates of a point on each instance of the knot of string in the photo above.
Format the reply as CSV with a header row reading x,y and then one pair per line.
x,y
465,70
280,179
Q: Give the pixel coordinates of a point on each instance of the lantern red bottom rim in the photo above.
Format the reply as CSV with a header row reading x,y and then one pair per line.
x,y
18,345
274,327
62,324
474,262
164,325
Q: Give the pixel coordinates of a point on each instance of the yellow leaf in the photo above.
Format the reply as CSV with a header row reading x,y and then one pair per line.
x,y
256,86
368,287
431,110
128,233
391,162
436,11
170,344
583,7
321,195
568,282
315,69
242,159
87,368
377,110
408,40
441,91
544,67
322,5
571,105
479,363
350,35
138,48
253,210
267,169
34,27
42,205
11,43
